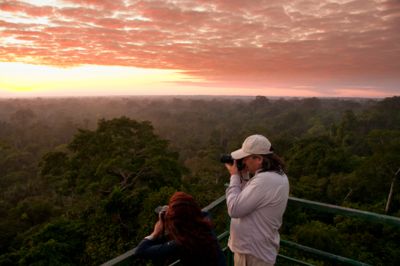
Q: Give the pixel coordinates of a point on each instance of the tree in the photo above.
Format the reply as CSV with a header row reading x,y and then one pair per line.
x,y
108,174
120,152
375,174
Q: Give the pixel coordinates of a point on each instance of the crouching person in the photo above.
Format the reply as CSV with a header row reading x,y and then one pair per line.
x,y
182,232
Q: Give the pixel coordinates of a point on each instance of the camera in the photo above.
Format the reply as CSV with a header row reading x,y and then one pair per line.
x,y
227,158
161,210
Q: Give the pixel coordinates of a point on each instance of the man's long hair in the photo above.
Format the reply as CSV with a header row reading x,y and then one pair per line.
x,y
187,225
272,162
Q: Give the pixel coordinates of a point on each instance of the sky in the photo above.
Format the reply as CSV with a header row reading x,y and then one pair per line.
x,y
298,48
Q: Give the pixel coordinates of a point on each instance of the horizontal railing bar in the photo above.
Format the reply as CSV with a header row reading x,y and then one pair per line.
x,y
223,235
214,204
322,253
368,216
294,260
175,263
330,208
120,258
310,250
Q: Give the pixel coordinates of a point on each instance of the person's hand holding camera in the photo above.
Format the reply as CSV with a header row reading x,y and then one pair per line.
x,y
159,226
235,167
232,168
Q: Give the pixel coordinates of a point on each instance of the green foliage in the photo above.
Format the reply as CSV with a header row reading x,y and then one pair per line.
x,y
58,243
54,163
35,210
319,235
122,152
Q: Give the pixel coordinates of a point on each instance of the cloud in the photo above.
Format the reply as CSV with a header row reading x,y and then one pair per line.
x,y
267,42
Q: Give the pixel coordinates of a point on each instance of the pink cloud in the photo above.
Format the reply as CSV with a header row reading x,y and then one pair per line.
x,y
30,10
12,6
268,42
103,4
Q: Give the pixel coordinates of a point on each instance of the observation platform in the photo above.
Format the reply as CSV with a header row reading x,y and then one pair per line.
x,y
288,248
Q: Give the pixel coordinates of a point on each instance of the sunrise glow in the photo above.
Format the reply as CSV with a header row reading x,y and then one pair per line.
x,y
29,80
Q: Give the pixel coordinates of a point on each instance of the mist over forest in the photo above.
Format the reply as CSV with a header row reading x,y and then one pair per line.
x,y
80,177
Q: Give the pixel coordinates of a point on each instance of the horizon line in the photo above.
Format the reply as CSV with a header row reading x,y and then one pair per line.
x,y
186,95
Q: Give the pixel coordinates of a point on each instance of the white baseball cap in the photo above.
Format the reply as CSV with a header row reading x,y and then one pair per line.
x,y
254,144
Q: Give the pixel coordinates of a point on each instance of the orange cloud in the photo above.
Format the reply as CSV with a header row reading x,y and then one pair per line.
x,y
257,43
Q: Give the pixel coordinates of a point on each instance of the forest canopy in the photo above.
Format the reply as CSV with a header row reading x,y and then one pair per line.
x,y
80,177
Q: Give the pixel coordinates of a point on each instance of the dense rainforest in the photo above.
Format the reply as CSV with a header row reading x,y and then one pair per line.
x,y
80,177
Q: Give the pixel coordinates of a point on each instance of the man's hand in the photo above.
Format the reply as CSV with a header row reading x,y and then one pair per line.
x,y
232,168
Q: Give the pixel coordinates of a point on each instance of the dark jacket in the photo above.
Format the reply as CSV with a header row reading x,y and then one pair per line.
x,y
163,251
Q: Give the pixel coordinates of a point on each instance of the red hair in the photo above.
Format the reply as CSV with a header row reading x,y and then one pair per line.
x,y
187,225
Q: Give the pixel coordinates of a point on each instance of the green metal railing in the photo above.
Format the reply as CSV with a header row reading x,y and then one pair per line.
x,y
329,208
322,207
